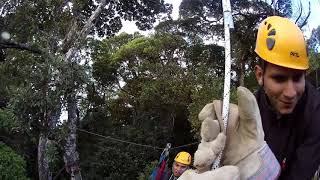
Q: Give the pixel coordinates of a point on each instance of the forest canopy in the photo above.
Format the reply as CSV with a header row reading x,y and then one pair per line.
x,y
124,96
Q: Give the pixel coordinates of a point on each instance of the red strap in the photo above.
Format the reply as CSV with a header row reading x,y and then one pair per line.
x,y
161,170
283,164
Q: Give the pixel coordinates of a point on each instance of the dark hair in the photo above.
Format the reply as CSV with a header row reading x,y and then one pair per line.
x,y
262,63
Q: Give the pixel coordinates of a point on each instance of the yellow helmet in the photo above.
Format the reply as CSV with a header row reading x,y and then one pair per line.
x,y
281,42
183,157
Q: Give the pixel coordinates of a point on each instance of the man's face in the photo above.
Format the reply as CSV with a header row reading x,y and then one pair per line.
x,y
178,168
283,86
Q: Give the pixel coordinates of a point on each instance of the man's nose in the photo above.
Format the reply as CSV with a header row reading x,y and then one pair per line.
x,y
290,90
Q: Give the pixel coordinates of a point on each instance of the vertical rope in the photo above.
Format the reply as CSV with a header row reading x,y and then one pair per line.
x,y
228,24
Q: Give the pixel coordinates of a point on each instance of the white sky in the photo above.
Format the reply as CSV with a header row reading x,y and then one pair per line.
x,y
313,22
130,27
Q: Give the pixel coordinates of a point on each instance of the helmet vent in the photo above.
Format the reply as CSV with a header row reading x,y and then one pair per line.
x,y
269,26
270,43
272,32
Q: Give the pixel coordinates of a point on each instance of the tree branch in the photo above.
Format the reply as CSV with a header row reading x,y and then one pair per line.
x,y
74,38
306,19
20,46
300,8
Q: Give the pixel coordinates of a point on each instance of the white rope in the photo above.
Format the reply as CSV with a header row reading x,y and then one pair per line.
x,y
228,24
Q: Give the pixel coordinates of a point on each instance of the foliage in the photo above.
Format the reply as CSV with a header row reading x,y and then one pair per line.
x,y
116,160
43,17
202,95
147,171
52,154
314,56
12,165
150,108
8,122
15,134
251,82
205,92
314,40
205,18
38,82
141,89
284,7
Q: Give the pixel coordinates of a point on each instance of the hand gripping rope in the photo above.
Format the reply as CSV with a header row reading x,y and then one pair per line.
x,y
228,24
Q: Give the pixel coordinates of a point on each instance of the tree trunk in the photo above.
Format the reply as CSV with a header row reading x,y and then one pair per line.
x,y
71,156
72,43
43,163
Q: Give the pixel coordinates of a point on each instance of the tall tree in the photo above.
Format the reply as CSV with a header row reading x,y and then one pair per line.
x,y
56,30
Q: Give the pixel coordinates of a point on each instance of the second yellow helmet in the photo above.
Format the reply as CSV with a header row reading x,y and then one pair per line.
x,y
183,157
281,42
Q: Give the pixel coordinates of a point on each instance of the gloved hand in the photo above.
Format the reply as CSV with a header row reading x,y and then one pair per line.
x,y
212,143
245,145
222,173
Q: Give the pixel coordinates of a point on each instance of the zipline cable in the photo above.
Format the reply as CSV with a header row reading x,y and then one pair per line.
x,y
132,143
228,24
194,143
119,140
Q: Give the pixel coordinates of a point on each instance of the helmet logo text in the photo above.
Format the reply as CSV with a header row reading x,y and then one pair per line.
x,y
294,54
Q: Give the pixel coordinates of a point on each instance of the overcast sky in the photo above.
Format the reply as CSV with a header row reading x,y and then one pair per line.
x,y
130,27
314,19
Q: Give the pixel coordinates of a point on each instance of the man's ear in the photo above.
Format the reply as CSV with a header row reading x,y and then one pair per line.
x,y
259,74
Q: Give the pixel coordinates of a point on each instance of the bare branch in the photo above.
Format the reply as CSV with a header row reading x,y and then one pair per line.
x,y
306,19
272,1
73,38
300,8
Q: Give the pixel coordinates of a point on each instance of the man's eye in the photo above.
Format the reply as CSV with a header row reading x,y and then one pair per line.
x,y
279,79
297,78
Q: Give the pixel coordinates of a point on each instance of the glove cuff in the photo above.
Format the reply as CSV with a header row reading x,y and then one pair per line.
x,y
261,164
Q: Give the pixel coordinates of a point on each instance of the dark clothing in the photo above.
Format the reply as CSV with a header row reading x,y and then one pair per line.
x,y
167,175
294,139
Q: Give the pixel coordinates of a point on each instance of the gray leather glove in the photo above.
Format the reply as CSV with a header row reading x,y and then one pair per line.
x,y
223,173
245,145
212,142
